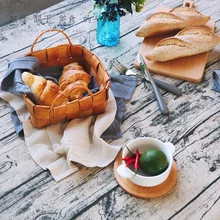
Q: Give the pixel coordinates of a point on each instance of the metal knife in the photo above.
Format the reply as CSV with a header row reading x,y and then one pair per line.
x,y
160,100
123,70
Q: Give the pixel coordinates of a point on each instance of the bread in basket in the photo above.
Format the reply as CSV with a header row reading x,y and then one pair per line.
x,y
62,55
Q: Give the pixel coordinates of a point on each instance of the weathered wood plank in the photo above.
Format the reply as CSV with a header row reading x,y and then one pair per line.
x,y
204,206
16,165
93,193
7,127
181,143
74,29
192,185
69,202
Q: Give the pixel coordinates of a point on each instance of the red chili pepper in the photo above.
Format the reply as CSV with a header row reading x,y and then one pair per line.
x,y
136,164
130,162
127,158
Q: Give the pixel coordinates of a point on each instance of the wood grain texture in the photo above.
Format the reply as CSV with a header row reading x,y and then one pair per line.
x,y
187,68
28,192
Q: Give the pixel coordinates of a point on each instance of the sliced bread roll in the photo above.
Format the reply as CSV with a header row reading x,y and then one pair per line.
x,y
190,41
166,22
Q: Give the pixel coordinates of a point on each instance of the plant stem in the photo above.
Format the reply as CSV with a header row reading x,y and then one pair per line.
x,y
129,151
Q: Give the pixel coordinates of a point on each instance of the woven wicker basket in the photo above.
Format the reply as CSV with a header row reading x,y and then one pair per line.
x,y
61,55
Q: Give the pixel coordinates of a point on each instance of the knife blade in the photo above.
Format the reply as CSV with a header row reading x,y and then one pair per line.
x,y
160,100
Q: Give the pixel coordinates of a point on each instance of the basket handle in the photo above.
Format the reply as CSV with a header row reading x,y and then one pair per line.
x,y
50,30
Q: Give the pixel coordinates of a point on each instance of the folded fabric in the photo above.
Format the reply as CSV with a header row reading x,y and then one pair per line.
x,y
12,80
122,87
56,147
216,80
81,140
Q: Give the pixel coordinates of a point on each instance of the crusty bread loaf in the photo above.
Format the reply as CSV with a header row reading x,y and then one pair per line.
x,y
165,22
190,41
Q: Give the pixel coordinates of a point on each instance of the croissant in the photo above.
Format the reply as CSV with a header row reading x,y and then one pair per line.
x,y
190,41
165,22
74,81
46,92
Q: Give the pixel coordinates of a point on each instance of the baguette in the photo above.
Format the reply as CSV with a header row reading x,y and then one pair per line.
x,y
175,20
190,41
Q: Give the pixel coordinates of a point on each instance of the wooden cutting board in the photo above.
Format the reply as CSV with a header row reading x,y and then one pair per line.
x,y
145,192
188,68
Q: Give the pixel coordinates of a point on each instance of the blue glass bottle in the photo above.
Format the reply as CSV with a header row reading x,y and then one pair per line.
x,y
108,32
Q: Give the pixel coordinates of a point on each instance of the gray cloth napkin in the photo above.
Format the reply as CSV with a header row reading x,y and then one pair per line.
x,y
216,80
121,86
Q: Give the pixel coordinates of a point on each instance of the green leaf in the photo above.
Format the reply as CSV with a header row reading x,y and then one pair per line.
x,y
98,9
127,6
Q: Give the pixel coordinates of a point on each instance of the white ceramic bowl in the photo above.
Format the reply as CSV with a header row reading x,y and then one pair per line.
x,y
144,144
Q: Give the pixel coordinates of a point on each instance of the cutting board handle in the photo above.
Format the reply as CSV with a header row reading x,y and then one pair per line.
x,y
188,3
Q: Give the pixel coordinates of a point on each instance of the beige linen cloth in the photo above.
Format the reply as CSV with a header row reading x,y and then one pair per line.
x,y
56,146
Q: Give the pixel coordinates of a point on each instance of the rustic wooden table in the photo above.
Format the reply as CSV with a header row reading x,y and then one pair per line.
x,y
29,192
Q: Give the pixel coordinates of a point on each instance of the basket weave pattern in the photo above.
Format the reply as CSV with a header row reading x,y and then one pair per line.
x,y
61,55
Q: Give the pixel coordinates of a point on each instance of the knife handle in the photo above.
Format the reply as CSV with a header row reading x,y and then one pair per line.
x,y
160,100
167,87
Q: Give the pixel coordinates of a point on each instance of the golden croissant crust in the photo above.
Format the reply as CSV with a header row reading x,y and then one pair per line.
x,y
46,92
74,81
